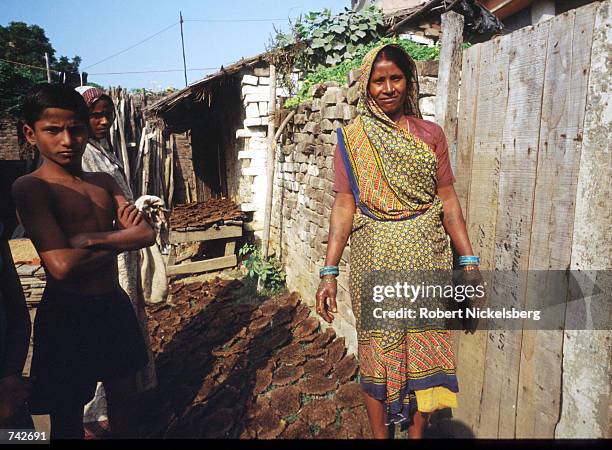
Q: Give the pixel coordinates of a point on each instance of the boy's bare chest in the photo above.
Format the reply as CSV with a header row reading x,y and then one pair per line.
x,y
82,206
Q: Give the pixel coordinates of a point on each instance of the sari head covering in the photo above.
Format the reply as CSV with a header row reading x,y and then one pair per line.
x,y
392,173
91,94
367,106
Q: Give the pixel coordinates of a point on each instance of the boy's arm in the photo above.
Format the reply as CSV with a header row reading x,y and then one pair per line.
x,y
136,233
31,196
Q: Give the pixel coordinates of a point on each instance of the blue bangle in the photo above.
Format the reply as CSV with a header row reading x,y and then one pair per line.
x,y
469,260
329,270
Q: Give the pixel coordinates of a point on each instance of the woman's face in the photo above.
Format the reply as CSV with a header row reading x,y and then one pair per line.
x,y
101,117
387,87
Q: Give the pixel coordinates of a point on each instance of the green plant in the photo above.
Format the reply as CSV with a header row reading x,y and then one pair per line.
x,y
334,39
269,270
339,72
320,40
25,46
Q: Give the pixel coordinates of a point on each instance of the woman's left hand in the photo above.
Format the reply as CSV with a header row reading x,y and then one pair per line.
x,y
326,298
473,278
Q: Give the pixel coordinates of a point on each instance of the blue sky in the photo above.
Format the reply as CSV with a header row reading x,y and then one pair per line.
x,y
96,30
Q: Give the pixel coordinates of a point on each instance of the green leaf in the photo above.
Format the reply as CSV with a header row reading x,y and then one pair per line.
x,y
318,43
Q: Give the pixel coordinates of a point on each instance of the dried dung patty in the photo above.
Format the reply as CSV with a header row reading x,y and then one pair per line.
x,y
287,374
336,350
317,386
301,313
346,369
313,352
320,412
349,395
323,339
285,400
297,430
306,327
263,378
317,367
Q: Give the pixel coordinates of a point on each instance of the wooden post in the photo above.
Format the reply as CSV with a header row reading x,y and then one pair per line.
x,y
270,161
587,395
48,68
448,77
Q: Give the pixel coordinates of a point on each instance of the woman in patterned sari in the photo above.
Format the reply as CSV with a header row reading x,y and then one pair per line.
x,y
395,199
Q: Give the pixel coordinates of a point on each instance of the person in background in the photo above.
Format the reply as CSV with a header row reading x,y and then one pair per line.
x,y
99,156
15,331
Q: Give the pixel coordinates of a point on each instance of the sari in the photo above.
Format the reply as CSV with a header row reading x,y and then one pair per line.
x,y
397,227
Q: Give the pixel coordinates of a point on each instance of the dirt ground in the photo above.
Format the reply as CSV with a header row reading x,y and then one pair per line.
x,y
233,365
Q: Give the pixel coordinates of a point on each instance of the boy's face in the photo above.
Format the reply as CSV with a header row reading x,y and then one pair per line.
x,y
101,117
59,135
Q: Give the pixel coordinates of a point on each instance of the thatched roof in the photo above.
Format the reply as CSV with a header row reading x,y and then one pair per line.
x,y
198,90
411,16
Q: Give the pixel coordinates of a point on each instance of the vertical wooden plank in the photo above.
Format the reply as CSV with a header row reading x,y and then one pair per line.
x,y
489,101
468,349
585,411
447,88
466,127
563,105
518,164
230,247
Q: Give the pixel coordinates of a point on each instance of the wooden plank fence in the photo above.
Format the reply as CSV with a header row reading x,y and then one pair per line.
x,y
527,103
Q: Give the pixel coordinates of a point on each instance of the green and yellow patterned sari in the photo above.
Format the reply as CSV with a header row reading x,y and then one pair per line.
x,y
398,227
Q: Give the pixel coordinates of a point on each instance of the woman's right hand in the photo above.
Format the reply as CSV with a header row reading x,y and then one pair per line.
x,y
326,298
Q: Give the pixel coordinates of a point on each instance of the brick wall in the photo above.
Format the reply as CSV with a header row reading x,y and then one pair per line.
x,y
253,144
9,143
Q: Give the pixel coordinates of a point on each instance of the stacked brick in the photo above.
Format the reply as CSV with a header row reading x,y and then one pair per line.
x,y
303,195
253,144
9,143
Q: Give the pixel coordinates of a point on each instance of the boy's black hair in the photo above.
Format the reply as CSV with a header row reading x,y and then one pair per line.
x,y
52,95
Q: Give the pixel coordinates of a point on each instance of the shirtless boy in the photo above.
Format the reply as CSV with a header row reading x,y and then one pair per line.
x,y
85,329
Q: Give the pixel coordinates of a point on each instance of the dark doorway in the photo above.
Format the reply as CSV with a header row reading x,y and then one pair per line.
x,y
213,136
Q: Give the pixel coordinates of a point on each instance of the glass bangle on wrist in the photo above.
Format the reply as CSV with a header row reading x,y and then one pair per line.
x,y
469,260
329,270
329,279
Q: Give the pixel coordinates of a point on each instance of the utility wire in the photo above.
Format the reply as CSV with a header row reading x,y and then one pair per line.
x,y
153,71
132,46
237,20
26,65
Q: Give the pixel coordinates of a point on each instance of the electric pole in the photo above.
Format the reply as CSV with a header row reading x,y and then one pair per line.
x,y
48,68
183,45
